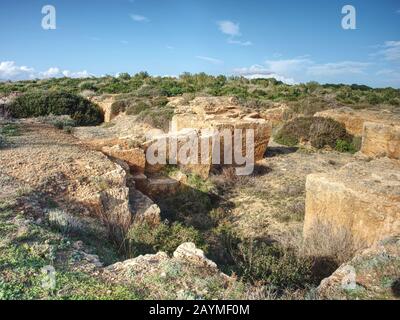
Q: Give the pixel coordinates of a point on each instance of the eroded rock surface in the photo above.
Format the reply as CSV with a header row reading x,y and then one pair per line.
x,y
191,273
47,161
277,115
361,202
371,274
105,103
223,113
354,120
381,140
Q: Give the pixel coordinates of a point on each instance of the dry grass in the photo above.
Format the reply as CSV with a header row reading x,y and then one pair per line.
x,y
326,240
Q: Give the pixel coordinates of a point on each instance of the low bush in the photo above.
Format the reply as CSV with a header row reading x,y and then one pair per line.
x,y
137,108
157,117
272,264
326,132
10,130
320,132
294,131
37,104
345,146
146,239
2,141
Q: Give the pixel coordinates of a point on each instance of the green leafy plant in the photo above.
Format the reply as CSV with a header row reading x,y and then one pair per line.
x,y
144,238
37,104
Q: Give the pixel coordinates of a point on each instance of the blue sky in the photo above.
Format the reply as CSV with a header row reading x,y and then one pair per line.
x,y
294,41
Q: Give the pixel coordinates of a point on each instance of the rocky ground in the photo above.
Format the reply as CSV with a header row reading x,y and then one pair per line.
x,y
45,176
65,203
271,203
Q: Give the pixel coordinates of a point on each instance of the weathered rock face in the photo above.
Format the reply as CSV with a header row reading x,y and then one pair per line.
x,y
197,160
354,120
381,140
160,187
82,181
371,274
188,252
277,115
361,201
135,157
105,103
222,113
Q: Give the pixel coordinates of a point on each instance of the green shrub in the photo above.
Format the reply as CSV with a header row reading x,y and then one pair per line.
x,y
350,147
64,123
157,117
146,239
10,130
38,104
137,108
294,131
273,265
326,132
119,106
320,132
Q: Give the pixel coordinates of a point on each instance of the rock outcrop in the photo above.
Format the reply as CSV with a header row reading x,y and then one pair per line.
x,y
105,103
372,274
133,157
81,180
277,115
221,113
359,202
188,274
354,120
188,252
381,140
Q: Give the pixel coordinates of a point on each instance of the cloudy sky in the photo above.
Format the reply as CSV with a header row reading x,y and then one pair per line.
x,y
291,40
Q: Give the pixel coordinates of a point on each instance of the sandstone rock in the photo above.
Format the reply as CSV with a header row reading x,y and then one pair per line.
x,y
371,274
354,120
361,200
194,162
188,252
144,208
134,157
162,186
105,103
277,115
139,266
381,140
221,113
205,119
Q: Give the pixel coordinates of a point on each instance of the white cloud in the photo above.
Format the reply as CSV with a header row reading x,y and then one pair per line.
x,y
10,71
139,18
287,66
209,59
261,72
391,51
77,74
51,73
233,30
338,68
286,70
229,28
241,43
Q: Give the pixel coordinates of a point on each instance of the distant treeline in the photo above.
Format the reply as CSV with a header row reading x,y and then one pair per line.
x,y
306,98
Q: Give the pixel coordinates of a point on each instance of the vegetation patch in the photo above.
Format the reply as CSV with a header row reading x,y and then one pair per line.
x,y
147,239
37,104
320,132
